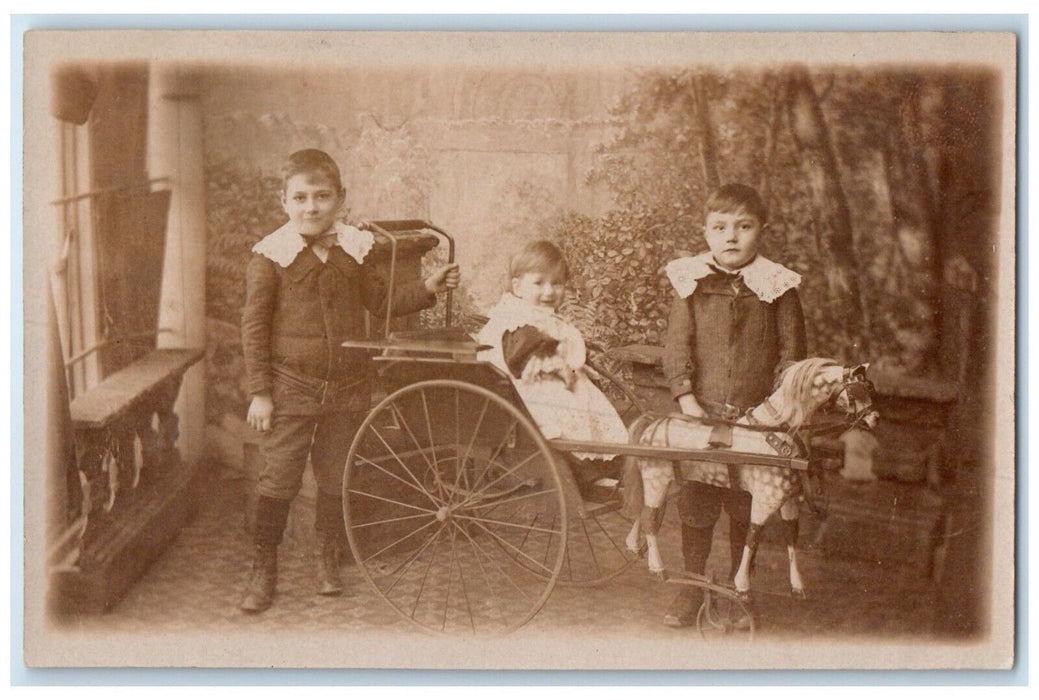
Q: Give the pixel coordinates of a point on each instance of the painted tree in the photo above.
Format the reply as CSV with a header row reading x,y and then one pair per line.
x,y
831,223
868,175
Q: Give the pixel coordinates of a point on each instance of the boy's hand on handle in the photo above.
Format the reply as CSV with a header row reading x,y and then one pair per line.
x,y
260,411
690,406
444,278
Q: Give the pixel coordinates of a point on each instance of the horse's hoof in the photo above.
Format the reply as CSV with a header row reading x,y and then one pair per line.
x,y
660,575
798,594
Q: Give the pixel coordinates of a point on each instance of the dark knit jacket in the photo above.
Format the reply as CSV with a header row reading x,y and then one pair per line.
x,y
298,317
726,346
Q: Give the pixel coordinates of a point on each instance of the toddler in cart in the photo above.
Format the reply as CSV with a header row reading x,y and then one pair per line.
x,y
544,356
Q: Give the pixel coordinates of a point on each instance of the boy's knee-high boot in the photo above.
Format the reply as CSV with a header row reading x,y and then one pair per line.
x,y
271,516
330,527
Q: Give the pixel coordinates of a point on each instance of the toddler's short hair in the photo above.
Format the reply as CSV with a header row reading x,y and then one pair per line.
x,y
310,160
736,197
539,256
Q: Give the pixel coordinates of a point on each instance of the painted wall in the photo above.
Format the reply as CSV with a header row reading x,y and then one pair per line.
x,y
485,154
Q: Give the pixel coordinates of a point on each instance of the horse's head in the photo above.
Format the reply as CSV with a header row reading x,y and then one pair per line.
x,y
810,384
855,397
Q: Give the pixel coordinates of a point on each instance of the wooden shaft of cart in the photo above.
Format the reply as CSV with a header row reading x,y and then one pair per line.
x,y
386,229
680,454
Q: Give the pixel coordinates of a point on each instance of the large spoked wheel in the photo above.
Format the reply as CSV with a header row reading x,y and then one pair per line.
x,y
454,508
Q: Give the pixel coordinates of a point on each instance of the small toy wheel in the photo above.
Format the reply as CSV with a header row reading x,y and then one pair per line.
x,y
724,614
454,508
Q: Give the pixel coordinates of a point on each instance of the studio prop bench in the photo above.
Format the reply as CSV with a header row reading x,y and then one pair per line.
x,y
892,519
134,491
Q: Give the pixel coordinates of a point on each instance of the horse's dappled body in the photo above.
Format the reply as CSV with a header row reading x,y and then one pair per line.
x,y
803,388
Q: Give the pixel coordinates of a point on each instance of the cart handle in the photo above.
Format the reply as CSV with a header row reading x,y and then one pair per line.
x,y
384,229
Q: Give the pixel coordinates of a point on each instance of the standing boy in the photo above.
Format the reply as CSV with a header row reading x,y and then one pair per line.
x,y
307,285
735,324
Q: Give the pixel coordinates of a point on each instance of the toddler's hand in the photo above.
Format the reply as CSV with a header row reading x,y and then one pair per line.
x,y
444,278
569,376
260,411
690,406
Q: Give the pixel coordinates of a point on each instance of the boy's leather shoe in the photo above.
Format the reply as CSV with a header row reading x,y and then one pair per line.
x,y
331,583
684,608
263,579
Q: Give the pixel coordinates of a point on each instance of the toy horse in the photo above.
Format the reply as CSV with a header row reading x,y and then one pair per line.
x,y
803,388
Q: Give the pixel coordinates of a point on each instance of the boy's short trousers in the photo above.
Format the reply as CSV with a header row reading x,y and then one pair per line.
x,y
325,438
700,504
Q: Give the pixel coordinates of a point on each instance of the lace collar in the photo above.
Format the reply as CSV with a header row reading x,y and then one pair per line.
x,y
285,244
767,279
511,313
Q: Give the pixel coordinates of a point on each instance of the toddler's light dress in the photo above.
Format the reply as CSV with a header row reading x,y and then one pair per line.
x,y
579,413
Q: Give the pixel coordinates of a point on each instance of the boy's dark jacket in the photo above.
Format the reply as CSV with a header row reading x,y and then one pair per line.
x,y
727,346
298,316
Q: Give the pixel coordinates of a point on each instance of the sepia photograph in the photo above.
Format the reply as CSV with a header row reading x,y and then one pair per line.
x,y
488,350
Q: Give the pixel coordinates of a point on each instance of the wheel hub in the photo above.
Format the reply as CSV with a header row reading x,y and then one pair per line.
x,y
443,513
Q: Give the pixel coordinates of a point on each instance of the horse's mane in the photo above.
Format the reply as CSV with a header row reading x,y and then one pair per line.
x,y
793,398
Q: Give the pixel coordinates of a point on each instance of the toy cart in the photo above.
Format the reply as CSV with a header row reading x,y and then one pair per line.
x,y
459,512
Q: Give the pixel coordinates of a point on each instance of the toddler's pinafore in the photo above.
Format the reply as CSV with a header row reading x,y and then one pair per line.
x,y
580,413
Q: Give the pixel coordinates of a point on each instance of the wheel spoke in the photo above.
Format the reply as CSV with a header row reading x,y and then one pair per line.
x,y
398,541
497,451
610,538
591,547
425,575
403,567
493,561
483,572
407,429
503,523
389,520
401,463
450,580
390,474
507,473
432,445
476,433
548,547
390,500
502,501
503,541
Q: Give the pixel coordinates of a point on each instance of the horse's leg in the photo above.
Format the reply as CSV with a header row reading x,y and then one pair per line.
x,y
656,477
761,508
789,512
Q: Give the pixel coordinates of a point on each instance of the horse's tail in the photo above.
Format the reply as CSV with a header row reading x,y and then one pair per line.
x,y
634,496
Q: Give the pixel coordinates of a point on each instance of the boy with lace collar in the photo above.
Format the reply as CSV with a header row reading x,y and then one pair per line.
x,y
735,324
307,285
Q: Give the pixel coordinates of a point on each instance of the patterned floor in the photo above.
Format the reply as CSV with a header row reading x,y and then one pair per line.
x,y
195,587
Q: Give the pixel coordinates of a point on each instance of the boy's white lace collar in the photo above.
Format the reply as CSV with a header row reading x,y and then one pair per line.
x,y
767,279
284,245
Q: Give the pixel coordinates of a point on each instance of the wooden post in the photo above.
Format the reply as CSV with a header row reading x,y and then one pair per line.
x,y
175,152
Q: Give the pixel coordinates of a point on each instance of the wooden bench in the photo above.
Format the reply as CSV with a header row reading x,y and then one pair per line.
x,y
135,493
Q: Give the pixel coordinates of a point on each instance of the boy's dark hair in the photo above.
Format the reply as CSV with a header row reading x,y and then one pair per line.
x,y
311,160
539,256
736,197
